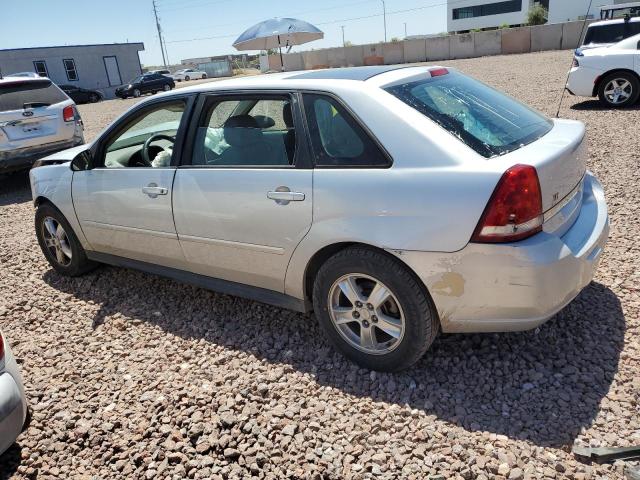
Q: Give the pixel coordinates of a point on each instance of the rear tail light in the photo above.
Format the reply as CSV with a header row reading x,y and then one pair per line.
x,y
514,211
1,348
68,113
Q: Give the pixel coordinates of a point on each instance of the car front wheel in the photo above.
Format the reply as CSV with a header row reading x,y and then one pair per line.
x,y
136,93
204,75
187,78
619,90
374,310
93,98
59,244
166,87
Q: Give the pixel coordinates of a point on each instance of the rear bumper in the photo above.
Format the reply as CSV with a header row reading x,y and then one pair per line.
x,y
13,404
581,81
518,286
23,158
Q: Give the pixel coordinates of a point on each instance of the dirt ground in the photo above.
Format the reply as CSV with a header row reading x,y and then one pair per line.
x,y
134,376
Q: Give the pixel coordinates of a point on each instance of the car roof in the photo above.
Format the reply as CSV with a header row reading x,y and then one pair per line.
x,y
11,79
349,73
613,22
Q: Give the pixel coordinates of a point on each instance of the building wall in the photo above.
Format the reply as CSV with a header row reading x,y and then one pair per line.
x,y
89,62
564,11
488,21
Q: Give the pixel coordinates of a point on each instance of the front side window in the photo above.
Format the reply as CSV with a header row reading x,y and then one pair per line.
x,y
248,131
484,119
148,139
337,139
70,68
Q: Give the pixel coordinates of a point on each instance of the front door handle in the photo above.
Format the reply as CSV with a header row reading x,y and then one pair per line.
x,y
282,196
153,190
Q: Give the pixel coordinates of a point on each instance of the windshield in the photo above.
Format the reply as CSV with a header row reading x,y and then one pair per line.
x,y
32,93
611,33
484,119
136,80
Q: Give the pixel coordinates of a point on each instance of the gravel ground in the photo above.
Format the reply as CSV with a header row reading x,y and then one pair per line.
x,y
134,376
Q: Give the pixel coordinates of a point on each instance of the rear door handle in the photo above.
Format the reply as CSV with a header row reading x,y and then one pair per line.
x,y
282,196
153,190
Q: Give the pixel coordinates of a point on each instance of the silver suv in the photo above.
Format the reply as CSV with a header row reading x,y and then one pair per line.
x,y
36,119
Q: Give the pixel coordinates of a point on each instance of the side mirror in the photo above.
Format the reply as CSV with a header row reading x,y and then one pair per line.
x,y
81,162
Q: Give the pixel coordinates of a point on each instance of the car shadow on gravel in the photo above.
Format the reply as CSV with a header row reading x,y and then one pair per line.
x,y
543,386
595,105
10,461
14,188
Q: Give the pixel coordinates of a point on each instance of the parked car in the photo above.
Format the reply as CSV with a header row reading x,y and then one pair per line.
x,y
148,83
419,200
36,119
13,403
608,32
81,95
611,73
187,74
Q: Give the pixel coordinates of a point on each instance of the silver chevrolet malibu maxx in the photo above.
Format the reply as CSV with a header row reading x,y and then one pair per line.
x,y
392,201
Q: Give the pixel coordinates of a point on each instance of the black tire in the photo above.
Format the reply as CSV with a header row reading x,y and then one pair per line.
x,y
633,89
187,78
166,87
94,98
421,322
79,263
136,93
204,75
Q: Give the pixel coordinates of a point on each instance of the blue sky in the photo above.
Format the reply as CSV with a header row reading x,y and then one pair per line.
x,y
34,23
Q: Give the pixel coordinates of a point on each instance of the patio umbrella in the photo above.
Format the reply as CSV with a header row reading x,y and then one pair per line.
x,y
277,32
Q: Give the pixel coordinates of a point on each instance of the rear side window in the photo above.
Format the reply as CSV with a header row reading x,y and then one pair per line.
x,y
337,139
34,93
484,119
611,33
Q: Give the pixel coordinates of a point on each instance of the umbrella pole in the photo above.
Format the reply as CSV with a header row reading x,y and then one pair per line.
x,y
280,49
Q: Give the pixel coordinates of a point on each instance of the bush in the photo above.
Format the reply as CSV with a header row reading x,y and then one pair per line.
x,y
537,15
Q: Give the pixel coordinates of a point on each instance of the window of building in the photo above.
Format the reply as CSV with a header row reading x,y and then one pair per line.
x,y
70,68
487,9
40,67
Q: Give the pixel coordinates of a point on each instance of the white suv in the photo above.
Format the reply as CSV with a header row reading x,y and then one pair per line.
x,y
36,119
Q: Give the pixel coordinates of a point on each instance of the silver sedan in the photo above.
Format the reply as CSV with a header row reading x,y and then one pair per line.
x,y
393,202
13,403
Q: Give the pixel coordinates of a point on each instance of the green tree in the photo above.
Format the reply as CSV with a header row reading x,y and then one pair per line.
x,y
504,25
537,15
348,44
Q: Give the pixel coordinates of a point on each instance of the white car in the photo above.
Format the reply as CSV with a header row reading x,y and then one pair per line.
x,y
611,73
36,119
13,403
187,74
394,202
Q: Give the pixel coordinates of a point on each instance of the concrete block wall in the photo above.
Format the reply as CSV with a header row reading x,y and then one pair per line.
x,y
435,49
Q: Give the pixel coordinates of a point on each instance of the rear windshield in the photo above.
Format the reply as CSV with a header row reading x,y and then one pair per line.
x,y
483,118
25,94
611,33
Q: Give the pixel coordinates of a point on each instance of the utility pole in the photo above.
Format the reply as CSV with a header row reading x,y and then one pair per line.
x,y
405,30
342,27
384,15
155,12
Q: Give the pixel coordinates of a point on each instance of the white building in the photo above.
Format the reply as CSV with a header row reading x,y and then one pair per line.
x,y
465,15
100,67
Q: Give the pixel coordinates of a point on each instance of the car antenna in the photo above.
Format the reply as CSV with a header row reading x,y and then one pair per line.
x,y
584,25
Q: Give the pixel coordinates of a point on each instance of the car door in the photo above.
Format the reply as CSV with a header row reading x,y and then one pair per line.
x,y
244,202
123,202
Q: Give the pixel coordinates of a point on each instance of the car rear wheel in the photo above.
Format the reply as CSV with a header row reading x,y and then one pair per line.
x,y
187,78
374,310
59,244
136,93
619,90
204,75
94,98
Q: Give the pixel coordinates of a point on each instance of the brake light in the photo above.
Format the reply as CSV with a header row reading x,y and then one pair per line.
x,y
438,72
514,211
68,114
1,347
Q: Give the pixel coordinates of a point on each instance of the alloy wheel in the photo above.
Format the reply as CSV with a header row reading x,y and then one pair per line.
x,y
56,240
618,91
366,313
